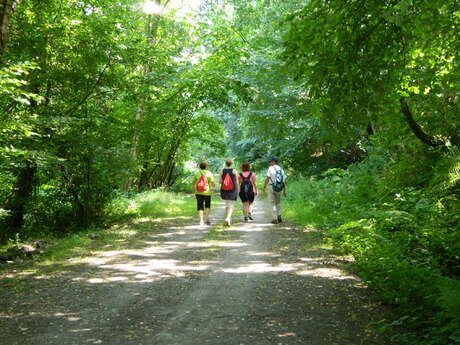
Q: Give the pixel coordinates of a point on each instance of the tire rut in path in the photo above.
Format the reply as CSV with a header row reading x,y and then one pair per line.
x,y
254,283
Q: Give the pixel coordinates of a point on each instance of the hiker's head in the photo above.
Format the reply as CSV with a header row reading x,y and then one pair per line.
x,y
246,166
228,162
273,161
203,165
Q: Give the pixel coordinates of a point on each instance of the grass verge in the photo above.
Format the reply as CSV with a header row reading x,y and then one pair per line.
x,y
128,220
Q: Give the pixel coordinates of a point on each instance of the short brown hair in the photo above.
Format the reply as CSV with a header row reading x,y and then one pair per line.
x,y
228,162
203,165
246,167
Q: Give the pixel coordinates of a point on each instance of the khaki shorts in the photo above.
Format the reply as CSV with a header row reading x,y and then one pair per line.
x,y
229,203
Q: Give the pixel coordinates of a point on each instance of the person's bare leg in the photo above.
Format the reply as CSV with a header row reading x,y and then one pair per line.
x,y
245,208
200,215
206,215
251,207
229,216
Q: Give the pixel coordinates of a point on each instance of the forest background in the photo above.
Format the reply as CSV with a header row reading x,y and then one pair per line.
x,y
104,99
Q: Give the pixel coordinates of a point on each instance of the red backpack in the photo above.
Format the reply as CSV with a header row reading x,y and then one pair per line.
x,y
227,184
201,186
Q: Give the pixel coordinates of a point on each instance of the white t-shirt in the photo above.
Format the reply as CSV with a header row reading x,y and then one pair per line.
x,y
271,173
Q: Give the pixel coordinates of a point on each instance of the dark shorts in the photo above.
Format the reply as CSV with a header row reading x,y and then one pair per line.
x,y
203,200
245,199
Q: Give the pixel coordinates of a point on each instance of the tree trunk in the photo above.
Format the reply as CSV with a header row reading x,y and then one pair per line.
x,y
151,32
7,8
19,195
371,130
416,129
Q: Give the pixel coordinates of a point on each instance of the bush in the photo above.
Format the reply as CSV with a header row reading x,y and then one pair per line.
x,y
399,219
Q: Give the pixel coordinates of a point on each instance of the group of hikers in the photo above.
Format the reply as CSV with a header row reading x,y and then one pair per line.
x,y
234,184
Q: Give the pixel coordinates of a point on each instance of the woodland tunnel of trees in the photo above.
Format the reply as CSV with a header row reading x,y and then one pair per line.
x,y
358,99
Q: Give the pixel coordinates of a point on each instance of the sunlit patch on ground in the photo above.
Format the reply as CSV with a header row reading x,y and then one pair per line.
x,y
232,244
267,254
80,330
327,272
288,334
261,267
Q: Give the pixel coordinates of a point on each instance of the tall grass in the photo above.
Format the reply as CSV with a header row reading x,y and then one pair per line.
x,y
155,204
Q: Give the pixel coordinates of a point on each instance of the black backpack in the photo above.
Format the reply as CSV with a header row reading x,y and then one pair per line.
x,y
247,189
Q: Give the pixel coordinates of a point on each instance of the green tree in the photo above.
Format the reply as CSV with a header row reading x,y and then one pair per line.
x,y
364,61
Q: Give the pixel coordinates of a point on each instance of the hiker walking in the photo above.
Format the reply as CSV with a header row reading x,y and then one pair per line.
x,y
202,182
276,178
248,190
229,189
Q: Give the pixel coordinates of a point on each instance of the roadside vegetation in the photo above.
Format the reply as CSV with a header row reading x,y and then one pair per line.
x,y
129,218
399,219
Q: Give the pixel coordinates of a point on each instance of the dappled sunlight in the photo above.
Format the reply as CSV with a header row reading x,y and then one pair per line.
x,y
287,334
258,228
175,218
148,270
312,267
188,227
267,254
14,275
327,272
177,269
80,330
232,244
169,234
262,267
141,220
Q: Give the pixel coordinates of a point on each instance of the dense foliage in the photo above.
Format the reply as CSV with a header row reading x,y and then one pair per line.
x,y
359,99
97,97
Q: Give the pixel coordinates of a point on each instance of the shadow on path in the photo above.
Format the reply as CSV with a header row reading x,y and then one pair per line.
x,y
255,283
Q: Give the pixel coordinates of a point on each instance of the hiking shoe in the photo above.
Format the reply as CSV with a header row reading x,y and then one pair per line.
x,y
250,216
279,219
208,222
245,219
275,221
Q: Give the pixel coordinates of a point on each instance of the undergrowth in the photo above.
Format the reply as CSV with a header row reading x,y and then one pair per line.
x,y
127,217
399,218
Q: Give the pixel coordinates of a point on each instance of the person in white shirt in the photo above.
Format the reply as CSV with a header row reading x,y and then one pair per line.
x,y
274,197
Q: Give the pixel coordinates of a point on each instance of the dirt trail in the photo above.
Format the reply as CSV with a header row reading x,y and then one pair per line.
x,y
253,284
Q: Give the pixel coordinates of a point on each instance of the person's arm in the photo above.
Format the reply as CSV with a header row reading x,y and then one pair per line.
x,y
237,185
254,183
220,177
265,184
193,185
284,188
211,179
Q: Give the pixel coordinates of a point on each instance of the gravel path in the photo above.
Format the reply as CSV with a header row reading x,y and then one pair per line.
x,y
256,283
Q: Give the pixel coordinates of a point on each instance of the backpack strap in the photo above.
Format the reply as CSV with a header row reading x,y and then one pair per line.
x,y
246,178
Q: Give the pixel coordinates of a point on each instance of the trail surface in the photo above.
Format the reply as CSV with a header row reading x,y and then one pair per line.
x,y
255,283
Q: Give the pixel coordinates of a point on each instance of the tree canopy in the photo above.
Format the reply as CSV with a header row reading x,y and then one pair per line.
x,y
99,96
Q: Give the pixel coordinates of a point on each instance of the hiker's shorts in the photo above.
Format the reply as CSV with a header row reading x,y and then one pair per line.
x,y
203,200
229,203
